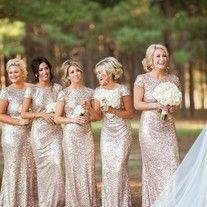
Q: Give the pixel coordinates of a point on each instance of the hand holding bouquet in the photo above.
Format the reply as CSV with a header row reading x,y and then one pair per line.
x,y
167,94
78,111
107,99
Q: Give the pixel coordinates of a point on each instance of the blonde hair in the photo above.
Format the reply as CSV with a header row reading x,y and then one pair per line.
x,y
65,68
147,62
112,66
18,63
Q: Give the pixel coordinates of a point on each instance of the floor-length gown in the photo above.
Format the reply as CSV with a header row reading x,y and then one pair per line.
x,y
79,154
116,143
158,142
19,181
46,142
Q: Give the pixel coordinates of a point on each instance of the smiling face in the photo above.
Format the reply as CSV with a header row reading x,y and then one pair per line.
x,y
102,76
15,74
44,72
160,59
75,74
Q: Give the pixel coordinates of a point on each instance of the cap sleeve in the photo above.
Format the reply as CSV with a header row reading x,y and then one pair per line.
x,y
91,92
96,94
61,96
4,94
124,91
29,92
139,81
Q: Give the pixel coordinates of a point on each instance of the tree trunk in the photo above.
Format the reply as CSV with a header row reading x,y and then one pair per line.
x,y
191,89
202,84
181,75
2,72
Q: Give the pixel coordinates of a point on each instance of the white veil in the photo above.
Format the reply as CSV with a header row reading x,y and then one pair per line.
x,y
188,186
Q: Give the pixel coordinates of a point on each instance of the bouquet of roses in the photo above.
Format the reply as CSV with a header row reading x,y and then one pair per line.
x,y
108,98
50,108
167,93
78,111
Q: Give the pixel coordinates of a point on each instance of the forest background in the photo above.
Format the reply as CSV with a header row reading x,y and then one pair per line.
x,y
89,30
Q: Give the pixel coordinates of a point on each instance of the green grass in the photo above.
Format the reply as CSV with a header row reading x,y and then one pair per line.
x,y
184,128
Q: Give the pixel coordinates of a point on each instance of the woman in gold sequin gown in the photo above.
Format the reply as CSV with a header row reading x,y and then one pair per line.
x,y
46,136
112,101
18,183
78,144
158,139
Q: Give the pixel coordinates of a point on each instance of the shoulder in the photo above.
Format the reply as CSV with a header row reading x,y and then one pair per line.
x,y
30,90
98,92
4,93
124,90
29,84
89,90
140,80
98,89
174,78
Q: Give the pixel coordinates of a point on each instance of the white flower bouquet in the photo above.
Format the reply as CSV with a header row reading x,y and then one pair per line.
x,y
50,108
167,93
78,111
108,98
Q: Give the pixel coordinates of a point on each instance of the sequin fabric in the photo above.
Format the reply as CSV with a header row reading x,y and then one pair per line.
x,y
79,154
46,142
116,143
158,143
19,182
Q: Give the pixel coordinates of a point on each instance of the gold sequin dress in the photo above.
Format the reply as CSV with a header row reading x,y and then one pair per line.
x,y
46,142
116,143
79,154
19,181
158,143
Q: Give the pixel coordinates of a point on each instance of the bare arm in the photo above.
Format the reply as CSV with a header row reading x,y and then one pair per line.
x,y
59,112
95,111
61,119
141,105
27,103
5,118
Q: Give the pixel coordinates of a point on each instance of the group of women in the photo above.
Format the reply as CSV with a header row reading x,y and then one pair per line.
x,y
34,141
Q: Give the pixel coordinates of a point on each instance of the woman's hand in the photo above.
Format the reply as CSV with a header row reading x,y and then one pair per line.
x,y
173,109
23,122
80,120
163,107
48,117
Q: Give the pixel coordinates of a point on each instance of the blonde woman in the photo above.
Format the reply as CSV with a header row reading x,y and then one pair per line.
x,y
158,139
113,103
46,137
18,182
78,144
